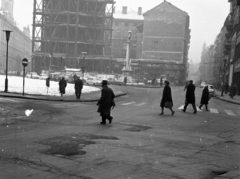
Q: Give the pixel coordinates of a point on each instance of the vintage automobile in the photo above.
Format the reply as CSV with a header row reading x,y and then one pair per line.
x,y
113,81
93,81
211,90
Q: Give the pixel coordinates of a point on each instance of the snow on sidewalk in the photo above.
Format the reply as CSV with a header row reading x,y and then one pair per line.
x,y
37,86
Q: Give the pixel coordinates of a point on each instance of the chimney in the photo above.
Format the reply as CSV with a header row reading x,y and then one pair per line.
x,y
124,10
139,10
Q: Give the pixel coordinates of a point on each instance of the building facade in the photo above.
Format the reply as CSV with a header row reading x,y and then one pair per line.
x,y
19,44
159,44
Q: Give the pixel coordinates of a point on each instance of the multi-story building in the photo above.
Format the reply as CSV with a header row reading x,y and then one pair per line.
x,y
159,44
19,44
233,33
63,30
166,38
207,64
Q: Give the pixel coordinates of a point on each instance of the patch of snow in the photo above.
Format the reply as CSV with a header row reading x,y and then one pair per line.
x,y
37,86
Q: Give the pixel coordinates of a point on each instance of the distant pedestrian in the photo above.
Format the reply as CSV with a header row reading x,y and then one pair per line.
x,y
47,83
78,87
62,85
226,88
190,97
106,103
205,98
125,80
166,101
232,91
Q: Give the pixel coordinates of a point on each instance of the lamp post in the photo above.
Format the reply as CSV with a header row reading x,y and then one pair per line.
x,y
7,39
83,67
224,65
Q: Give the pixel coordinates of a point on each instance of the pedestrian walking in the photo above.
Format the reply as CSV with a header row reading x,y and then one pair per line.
x,y
226,88
62,85
232,91
48,83
106,103
78,87
167,101
205,98
190,97
125,80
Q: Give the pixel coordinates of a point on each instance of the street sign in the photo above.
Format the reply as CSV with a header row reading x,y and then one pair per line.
x,y
24,62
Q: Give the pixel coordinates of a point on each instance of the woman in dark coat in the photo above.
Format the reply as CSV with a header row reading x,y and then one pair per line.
x,y
106,103
62,85
166,97
204,98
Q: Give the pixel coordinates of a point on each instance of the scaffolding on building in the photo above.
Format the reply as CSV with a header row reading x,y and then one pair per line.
x,y
64,29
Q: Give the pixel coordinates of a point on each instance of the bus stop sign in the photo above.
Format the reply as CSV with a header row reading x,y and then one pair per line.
x,y
24,62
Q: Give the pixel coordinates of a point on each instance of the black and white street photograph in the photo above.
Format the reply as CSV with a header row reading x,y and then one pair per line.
x,y
120,89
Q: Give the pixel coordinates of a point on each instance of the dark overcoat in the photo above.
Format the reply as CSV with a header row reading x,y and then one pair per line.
x,y
190,94
205,96
106,101
166,96
78,86
62,85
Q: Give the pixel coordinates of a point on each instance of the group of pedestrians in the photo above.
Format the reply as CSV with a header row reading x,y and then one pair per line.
x,y
78,87
167,101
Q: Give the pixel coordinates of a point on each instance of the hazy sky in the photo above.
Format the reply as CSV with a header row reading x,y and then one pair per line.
x,y
206,17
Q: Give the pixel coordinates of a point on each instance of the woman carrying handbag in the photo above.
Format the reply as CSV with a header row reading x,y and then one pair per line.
x,y
166,98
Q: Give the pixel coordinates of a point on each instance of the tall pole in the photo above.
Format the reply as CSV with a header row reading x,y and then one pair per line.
x,y
83,67
7,39
223,77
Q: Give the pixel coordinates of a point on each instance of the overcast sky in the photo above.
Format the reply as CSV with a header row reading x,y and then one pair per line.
x,y
206,17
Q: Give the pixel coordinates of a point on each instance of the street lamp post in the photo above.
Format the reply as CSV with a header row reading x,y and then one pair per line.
x,y
83,67
7,39
224,66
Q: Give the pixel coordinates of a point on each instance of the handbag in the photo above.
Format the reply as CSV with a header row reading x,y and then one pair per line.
x,y
168,104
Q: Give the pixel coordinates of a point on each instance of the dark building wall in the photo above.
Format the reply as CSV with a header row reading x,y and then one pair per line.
x,y
165,29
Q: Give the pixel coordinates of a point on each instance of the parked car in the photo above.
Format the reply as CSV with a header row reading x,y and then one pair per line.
x,y
203,84
93,81
211,90
43,76
33,75
113,81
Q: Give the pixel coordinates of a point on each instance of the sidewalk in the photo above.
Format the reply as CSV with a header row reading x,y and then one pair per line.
x,y
85,97
226,97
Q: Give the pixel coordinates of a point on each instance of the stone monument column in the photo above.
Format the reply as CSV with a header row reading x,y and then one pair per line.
x,y
127,70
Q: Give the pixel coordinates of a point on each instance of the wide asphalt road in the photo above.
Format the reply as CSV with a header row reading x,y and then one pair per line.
x,y
65,140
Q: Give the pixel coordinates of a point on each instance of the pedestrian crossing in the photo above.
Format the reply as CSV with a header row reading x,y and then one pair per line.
x,y
213,110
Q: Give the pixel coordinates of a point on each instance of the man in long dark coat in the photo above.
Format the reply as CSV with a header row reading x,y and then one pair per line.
x,y
204,98
190,97
166,97
78,87
106,103
62,85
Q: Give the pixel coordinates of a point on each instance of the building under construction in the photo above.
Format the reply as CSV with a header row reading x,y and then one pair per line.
x,y
64,29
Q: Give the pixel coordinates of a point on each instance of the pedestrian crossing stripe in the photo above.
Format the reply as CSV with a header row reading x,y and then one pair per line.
x,y
229,112
212,110
181,107
215,111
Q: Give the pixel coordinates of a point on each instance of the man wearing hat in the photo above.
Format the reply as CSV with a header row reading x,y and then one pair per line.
x,y
106,103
